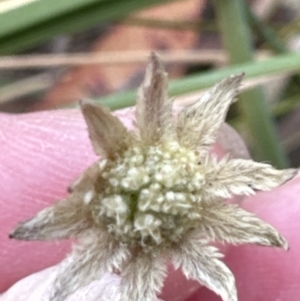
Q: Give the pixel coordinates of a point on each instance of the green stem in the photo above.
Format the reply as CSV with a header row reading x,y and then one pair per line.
x,y
284,63
266,32
286,106
36,30
237,41
36,12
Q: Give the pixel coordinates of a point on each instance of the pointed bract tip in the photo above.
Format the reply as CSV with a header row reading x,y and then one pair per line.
x,y
155,63
82,102
231,85
18,233
279,241
289,174
85,103
154,57
88,106
23,232
235,79
284,244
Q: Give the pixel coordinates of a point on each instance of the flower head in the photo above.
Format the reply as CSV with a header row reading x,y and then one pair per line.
x,y
157,194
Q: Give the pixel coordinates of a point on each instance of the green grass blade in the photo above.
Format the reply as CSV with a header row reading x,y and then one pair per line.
x,y
237,40
36,12
278,64
96,13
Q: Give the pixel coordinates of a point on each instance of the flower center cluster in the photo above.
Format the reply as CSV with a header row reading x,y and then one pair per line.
x,y
152,194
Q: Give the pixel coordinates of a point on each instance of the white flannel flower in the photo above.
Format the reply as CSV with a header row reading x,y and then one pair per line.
x,y
153,194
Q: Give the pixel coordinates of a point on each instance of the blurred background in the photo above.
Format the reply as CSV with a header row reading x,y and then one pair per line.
x,y
54,53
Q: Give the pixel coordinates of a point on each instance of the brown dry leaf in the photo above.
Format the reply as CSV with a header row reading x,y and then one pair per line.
x,y
91,81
